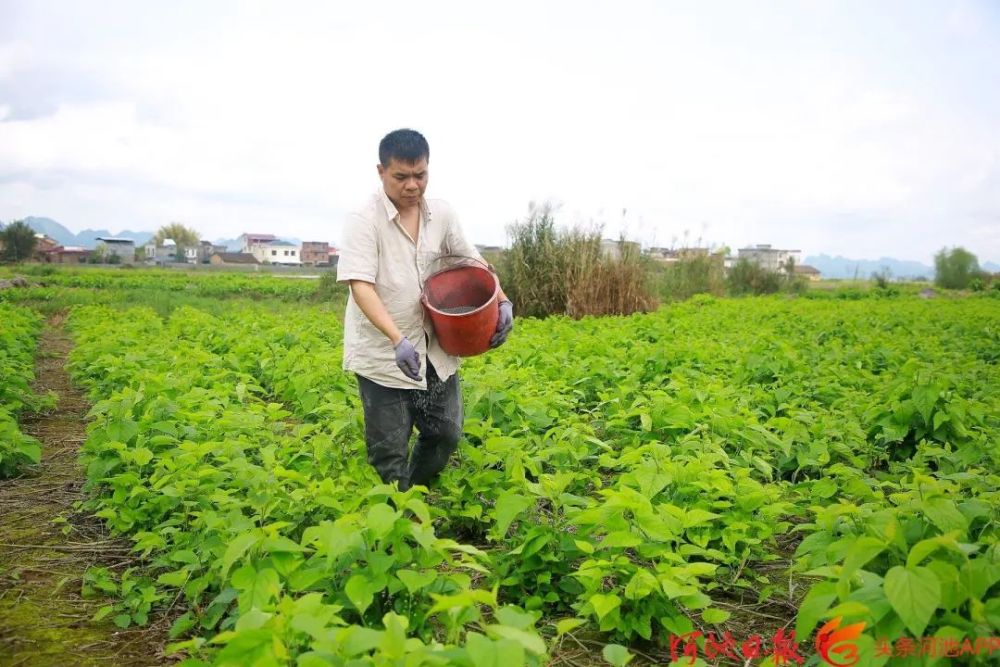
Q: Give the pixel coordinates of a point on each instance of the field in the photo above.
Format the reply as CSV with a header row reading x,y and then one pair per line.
x,y
628,489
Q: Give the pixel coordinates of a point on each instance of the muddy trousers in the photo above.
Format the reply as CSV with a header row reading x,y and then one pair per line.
x,y
391,414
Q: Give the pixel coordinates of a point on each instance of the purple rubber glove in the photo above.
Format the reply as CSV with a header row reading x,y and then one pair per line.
x,y
505,322
407,359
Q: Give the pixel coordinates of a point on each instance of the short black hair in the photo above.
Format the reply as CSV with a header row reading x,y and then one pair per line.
x,y
404,145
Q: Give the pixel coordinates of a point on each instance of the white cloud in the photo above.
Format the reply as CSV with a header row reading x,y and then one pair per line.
x,y
786,125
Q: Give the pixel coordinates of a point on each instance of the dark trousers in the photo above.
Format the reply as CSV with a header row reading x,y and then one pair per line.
x,y
391,414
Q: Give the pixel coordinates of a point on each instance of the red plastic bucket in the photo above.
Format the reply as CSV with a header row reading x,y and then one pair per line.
x,y
462,304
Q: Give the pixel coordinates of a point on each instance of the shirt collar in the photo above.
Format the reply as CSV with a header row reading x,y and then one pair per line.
x,y
391,211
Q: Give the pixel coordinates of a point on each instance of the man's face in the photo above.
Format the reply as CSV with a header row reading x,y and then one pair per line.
x,y
404,182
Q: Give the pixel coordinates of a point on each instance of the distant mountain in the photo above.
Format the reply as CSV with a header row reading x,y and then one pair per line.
x,y
87,238
992,267
52,229
842,267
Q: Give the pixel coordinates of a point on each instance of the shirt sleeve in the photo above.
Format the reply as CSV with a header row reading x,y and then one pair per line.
x,y
359,255
456,241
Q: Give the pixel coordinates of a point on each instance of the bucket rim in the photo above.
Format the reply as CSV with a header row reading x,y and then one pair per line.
x,y
493,297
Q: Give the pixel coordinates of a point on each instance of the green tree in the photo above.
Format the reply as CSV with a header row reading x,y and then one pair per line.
x,y
955,268
183,236
17,241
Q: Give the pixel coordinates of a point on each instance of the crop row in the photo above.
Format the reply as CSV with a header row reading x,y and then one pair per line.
x,y
636,476
223,284
18,340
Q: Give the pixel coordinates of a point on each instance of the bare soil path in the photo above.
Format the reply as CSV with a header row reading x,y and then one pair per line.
x,y
46,545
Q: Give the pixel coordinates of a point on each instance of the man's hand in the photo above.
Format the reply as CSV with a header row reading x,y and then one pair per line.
x,y
407,359
505,322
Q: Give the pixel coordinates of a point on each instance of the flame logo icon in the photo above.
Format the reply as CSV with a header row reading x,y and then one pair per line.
x,y
830,640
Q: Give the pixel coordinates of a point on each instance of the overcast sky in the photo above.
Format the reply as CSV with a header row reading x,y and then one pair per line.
x,y
855,128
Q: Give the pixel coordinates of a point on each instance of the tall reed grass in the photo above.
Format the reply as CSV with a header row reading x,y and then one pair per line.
x,y
550,271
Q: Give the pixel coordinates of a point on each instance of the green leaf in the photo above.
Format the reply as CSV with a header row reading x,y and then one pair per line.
x,y
620,539
863,550
142,456
616,655
715,616
381,518
979,575
360,591
515,617
697,517
393,644
414,581
103,612
850,609
176,578
945,515
924,397
184,556
252,620
925,548
814,606
281,545
529,640
419,508
507,507
32,450
480,650
914,593
182,624
245,648
258,588
568,625
357,639
824,488
237,548
645,422
604,604
992,613
640,585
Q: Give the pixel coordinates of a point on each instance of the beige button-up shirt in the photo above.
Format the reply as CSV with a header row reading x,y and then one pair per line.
x,y
376,249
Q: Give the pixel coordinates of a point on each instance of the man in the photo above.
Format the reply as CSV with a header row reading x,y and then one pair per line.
x,y
389,247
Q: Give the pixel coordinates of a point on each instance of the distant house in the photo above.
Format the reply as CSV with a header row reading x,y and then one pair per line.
x,y
772,259
164,253
205,251
806,271
670,255
218,258
124,249
277,252
43,246
613,248
315,253
248,241
67,255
